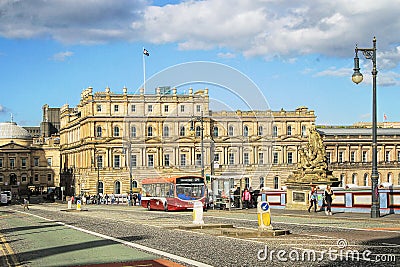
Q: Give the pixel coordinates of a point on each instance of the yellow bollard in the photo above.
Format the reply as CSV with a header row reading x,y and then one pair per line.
x,y
78,205
264,216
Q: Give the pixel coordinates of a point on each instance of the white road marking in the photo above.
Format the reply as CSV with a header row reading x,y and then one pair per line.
x,y
307,224
130,244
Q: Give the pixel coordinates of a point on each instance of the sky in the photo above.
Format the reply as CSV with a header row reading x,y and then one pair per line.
x,y
296,53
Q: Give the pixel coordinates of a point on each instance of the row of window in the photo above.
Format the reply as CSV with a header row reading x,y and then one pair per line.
x,y
183,159
364,155
366,180
117,187
24,178
182,131
12,162
99,108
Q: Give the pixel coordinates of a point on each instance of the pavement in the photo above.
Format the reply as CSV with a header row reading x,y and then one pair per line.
x,y
47,243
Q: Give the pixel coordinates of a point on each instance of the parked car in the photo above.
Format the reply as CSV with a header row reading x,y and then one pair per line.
x,y
9,196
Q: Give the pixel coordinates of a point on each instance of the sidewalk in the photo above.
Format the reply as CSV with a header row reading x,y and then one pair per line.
x,y
31,241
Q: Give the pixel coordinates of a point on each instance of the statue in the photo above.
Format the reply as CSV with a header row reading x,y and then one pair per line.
x,y
313,156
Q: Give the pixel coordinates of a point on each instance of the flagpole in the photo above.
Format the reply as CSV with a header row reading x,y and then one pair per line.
x,y
144,71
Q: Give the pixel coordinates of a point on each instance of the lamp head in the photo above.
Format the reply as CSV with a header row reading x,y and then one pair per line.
x,y
357,77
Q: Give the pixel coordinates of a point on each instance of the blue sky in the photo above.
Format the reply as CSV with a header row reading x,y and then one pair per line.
x,y
298,53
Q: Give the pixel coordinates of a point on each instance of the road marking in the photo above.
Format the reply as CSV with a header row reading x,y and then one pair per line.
x,y
307,224
8,253
127,243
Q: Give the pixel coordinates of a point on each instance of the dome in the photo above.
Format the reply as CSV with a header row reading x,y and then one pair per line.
x,y
10,130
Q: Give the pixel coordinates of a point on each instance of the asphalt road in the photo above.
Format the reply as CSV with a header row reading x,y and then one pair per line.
x,y
132,236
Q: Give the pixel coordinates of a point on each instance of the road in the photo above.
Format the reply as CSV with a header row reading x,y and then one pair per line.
x,y
47,235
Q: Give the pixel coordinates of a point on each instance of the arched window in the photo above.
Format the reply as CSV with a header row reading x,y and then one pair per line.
x,y
289,130
230,130
215,131
366,178
182,131
275,131
342,179
133,131
245,131
198,131
389,178
262,181
303,130
117,187
149,131
116,131
247,182
398,179
276,182
101,188
166,131
354,178
134,184
98,131
260,131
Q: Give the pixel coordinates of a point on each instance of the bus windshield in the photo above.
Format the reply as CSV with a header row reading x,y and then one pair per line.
x,y
190,191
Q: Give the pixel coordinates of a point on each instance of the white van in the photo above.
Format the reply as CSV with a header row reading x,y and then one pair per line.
x,y
8,193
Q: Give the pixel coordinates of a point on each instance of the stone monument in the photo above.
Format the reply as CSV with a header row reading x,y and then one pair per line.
x,y
312,170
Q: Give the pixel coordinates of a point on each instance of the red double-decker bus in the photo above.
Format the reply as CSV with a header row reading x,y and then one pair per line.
x,y
174,193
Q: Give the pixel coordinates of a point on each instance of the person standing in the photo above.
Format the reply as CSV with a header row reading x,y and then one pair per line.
x,y
246,198
328,199
313,199
26,204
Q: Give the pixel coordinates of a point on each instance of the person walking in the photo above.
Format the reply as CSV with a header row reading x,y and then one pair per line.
x,y
313,199
246,198
26,204
328,199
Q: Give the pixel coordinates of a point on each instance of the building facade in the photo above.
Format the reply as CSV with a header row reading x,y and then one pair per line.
x,y
349,154
27,164
112,140
109,140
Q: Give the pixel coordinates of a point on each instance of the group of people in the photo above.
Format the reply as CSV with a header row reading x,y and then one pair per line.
x,y
328,197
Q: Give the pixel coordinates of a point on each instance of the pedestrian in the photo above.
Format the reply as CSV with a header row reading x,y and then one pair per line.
x,y
112,199
329,195
106,197
26,204
246,198
139,198
134,199
313,199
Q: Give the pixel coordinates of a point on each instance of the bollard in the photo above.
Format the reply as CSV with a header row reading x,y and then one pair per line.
x,y
264,216
69,203
198,212
78,205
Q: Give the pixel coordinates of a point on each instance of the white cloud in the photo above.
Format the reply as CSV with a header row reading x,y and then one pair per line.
x,y
266,28
62,55
227,55
3,109
333,71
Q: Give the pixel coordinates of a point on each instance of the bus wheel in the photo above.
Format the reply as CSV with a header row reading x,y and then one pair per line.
x,y
165,206
148,206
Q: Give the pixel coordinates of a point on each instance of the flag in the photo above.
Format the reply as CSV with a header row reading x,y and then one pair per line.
x,y
384,117
145,52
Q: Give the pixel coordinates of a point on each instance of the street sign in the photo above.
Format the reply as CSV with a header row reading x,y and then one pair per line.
x,y
265,206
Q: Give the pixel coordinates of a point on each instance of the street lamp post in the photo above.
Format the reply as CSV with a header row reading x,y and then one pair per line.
x,y
96,164
201,120
130,173
370,53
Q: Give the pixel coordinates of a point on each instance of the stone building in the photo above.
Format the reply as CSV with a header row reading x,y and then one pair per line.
x,y
26,163
112,139
349,153
109,139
